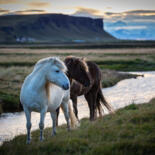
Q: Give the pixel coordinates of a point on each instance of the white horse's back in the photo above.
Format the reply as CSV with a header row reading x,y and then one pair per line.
x,y
29,97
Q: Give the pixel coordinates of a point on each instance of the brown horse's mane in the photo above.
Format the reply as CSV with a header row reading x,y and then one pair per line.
x,y
77,60
77,70
47,88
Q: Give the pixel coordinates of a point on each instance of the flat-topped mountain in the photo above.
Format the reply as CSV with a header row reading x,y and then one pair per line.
x,y
51,28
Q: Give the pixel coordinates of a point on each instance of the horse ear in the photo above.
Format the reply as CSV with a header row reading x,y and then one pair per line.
x,y
83,59
68,61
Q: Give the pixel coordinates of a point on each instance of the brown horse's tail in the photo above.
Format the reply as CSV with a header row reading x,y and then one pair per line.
x,y
74,121
106,104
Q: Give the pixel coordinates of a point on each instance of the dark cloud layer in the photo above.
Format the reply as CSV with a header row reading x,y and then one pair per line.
x,y
136,15
3,11
29,11
141,11
126,16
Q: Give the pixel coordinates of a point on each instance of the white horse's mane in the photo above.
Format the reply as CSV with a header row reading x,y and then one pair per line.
x,y
53,60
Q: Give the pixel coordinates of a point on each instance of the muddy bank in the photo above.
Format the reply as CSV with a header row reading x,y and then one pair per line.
x,y
111,77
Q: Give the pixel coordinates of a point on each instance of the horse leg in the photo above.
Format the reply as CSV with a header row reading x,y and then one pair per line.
x,y
74,101
28,124
41,124
57,111
99,105
91,99
65,109
54,118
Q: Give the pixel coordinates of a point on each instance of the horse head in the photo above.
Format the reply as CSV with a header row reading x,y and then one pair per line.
x,y
78,70
55,71
57,74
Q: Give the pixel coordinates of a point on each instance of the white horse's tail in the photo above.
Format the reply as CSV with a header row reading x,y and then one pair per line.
x,y
74,121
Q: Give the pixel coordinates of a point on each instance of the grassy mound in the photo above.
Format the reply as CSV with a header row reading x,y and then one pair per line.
x,y
129,131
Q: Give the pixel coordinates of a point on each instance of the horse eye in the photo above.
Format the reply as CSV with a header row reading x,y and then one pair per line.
x,y
57,71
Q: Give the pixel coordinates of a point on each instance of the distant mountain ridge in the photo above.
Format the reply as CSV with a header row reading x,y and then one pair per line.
x,y
51,28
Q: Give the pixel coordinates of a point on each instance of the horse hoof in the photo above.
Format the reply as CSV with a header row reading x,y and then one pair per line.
x,y
54,134
42,139
28,141
92,119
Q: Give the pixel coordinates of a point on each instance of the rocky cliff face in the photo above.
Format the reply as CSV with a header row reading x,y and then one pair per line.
x,y
51,28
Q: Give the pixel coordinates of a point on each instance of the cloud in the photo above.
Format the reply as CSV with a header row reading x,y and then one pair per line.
x,y
3,11
137,16
131,15
88,12
141,12
29,12
8,1
130,27
39,4
111,14
109,8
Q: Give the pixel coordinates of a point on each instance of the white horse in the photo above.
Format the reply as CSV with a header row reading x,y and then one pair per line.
x,y
46,89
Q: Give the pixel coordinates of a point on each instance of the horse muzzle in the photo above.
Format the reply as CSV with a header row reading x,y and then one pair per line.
x,y
65,86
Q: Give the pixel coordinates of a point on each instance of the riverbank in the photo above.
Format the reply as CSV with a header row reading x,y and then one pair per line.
x,y
129,131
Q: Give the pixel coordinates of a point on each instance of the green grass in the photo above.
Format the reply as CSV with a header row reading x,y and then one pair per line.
x,y
88,45
119,65
9,103
129,131
127,65
10,64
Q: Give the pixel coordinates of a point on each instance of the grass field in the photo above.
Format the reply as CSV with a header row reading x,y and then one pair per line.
x,y
130,131
16,63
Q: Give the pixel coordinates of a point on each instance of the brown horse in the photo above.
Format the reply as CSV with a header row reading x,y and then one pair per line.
x,y
93,92
85,79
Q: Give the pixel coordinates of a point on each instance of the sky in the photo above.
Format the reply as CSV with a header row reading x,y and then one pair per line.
x,y
136,14
95,7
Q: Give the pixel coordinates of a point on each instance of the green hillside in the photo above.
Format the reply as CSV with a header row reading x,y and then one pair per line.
x,y
130,131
